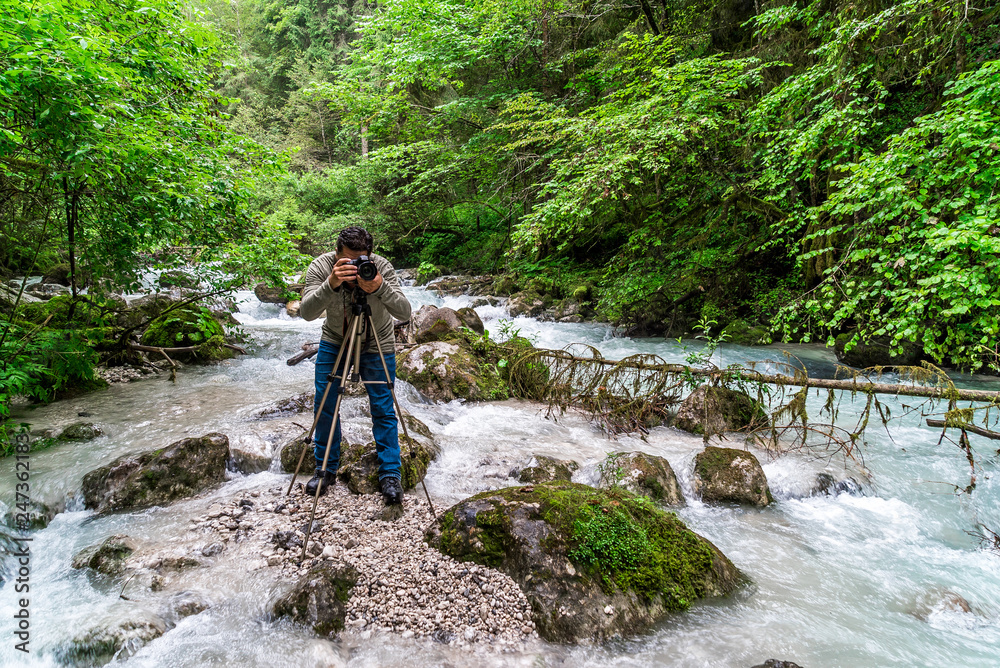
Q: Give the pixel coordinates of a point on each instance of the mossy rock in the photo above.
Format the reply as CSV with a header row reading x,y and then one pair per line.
x,y
447,370
548,469
59,274
527,303
505,285
582,293
471,320
319,598
112,639
189,326
728,475
107,557
431,323
80,431
642,474
594,564
359,464
743,334
157,477
713,410
292,450
876,352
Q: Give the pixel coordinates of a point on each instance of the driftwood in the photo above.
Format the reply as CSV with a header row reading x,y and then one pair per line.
x,y
308,350
965,426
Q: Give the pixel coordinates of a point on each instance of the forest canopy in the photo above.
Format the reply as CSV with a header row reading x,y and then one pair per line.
x,y
809,169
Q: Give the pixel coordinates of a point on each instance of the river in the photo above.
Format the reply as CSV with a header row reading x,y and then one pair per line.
x,y
845,580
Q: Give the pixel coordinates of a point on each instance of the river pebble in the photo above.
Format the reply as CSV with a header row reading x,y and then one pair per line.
x,y
405,586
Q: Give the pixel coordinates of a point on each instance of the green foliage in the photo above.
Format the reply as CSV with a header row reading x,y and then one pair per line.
x,y
38,364
919,222
109,126
184,326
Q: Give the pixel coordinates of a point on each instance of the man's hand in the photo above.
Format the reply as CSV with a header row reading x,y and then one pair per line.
x,y
344,272
372,285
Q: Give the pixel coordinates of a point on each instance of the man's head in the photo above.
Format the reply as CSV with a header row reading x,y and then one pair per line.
x,y
356,239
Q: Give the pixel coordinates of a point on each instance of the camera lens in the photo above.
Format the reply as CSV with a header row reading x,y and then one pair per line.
x,y
367,271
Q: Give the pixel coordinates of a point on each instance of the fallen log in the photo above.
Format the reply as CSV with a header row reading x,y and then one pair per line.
x,y
308,350
848,384
995,435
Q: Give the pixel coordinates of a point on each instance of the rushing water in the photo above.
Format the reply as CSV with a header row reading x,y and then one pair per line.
x,y
847,580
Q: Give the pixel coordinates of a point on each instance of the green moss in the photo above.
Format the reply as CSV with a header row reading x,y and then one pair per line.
x,y
614,537
189,326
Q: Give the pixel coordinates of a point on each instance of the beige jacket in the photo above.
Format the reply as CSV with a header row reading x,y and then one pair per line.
x,y
387,302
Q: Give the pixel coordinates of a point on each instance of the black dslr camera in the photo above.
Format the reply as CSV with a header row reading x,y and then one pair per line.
x,y
366,268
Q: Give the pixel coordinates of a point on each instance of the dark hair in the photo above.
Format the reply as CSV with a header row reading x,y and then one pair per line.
x,y
356,238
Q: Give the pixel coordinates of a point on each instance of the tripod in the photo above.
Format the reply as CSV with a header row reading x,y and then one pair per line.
x,y
350,352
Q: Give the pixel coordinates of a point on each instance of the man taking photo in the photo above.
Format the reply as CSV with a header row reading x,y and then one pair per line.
x,y
330,282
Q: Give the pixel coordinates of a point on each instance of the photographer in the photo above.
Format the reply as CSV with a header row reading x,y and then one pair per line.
x,y
331,281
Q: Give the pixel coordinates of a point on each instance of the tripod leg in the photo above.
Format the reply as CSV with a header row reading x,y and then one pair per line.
x,y
308,437
326,455
392,391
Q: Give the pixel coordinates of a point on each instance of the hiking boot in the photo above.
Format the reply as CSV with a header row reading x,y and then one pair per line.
x,y
392,492
323,481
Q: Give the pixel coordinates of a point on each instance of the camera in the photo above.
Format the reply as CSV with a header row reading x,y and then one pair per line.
x,y
366,268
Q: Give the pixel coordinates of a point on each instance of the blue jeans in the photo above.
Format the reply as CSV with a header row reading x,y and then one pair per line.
x,y
384,423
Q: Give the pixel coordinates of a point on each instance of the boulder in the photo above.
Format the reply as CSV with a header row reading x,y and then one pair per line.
x,y
359,463
431,323
46,291
270,295
471,320
59,274
724,475
644,475
107,557
827,484
80,431
157,477
292,450
249,453
565,309
445,370
292,308
716,410
113,639
777,663
525,304
593,564
486,300
875,352
319,599
184,604
546,469
189,325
